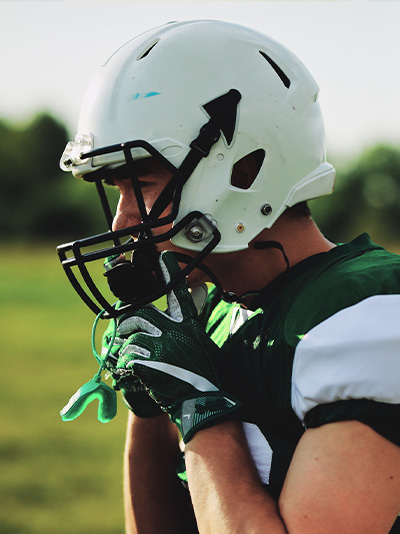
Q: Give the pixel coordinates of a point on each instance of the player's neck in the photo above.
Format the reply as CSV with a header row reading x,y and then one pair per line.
x,y
253,269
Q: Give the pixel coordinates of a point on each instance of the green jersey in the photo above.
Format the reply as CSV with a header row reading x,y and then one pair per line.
x,y
322,344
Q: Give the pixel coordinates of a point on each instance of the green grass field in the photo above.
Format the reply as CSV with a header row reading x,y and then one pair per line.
x,y
55,477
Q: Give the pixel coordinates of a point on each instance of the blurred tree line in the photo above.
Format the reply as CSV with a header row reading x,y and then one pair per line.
x,y
366,198
39,201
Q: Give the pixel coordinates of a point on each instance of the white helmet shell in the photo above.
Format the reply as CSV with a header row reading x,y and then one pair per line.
x,y
154,89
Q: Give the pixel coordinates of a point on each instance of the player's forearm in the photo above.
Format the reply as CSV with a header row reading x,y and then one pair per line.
x,y
152,492
227,495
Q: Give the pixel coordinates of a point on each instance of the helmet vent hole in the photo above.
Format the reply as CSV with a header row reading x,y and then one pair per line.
x,y
246,170
277,69
147,50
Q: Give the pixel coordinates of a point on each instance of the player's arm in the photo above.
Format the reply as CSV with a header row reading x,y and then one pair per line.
x,y
344,478
227,495
155,500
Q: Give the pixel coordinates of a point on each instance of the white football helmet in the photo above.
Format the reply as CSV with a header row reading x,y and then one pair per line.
x,y
199,96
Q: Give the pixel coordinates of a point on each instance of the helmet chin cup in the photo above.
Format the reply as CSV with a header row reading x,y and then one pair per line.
x,y
134,280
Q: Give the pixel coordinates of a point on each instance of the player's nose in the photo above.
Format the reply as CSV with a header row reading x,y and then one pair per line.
x,y
127,213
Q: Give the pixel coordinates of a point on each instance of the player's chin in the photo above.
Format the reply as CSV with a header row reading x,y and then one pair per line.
x,y
196,278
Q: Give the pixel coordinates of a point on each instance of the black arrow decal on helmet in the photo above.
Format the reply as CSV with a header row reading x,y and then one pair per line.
x,y
223,110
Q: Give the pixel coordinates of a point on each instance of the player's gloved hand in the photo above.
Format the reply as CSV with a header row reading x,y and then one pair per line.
x,y
133,391
173,356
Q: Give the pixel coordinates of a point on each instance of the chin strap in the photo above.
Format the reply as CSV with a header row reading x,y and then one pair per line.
x,y
229,296
260,245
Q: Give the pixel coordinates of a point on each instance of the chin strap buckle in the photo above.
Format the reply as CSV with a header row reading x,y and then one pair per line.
x,y
208,136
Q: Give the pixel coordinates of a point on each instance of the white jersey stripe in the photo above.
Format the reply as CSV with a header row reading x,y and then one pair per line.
x,y
355,354
260,450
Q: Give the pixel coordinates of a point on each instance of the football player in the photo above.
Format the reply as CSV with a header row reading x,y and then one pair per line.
x,y
281,375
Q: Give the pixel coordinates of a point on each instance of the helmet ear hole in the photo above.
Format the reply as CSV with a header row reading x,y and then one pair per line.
x,y
245,171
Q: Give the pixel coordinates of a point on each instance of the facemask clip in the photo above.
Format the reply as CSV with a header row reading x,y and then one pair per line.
x,y
200,229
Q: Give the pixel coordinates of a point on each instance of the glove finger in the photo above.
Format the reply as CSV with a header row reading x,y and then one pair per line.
x,y
138,345
144,320
180,302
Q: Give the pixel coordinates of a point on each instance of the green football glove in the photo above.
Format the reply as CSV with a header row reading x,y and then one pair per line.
x,y
173,356
133,391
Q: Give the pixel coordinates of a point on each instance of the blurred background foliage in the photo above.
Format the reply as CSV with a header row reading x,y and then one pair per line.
x,y
366,198
39,201
67,477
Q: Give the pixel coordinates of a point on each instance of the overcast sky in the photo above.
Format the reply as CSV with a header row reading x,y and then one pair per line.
x,y
50,50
